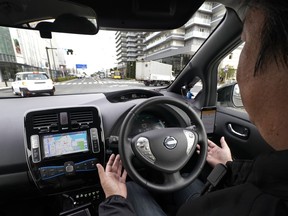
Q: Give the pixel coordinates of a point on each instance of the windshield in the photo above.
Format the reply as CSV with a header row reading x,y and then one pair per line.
x,y
107,61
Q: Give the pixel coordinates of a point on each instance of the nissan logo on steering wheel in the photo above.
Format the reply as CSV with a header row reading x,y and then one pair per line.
x,y
170,142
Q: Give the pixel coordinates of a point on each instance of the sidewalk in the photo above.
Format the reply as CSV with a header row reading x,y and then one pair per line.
x,y
3,86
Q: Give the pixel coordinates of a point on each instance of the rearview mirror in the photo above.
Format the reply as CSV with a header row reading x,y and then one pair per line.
x,y
49,16
68,23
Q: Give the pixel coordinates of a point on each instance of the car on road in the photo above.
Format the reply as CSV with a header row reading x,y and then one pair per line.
x,y
49,145
101,75
79,76
31,83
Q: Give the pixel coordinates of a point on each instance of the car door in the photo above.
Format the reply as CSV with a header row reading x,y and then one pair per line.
x,y
16,84
240,133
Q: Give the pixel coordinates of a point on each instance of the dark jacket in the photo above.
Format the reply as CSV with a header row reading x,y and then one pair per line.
x,y
116,205
256,188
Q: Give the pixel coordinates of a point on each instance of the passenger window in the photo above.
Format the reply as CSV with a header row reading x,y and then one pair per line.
x,y
228,91
193,88
196,88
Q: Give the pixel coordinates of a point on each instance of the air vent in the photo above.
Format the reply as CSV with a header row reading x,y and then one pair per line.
x,y
81,117
45,121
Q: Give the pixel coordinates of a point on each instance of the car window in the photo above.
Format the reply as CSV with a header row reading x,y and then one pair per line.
x,y
193,88
35,76
229,94
107,61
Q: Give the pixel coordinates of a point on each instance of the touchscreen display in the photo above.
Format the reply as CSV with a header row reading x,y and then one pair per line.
x,y
65,143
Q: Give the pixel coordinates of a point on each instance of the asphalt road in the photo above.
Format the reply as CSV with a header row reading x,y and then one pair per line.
x,y
88,85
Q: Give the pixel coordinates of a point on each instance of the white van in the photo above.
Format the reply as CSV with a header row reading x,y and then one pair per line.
x,y
30,83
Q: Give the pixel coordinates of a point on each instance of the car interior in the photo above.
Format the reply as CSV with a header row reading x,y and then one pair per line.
x,y
36,178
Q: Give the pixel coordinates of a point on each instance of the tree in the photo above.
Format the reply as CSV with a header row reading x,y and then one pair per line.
x,y
226,73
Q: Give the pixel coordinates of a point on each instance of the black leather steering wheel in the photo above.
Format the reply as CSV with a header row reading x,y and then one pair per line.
x,y
165,150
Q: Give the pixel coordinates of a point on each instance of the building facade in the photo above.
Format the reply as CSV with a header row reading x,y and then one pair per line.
x,y
129,48
25,50
174,47
7,55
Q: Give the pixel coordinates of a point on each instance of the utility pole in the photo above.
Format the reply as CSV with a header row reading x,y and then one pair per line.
x,y
50,73
49,64
69,51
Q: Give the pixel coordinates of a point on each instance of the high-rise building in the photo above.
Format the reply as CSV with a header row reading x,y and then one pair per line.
x,y
174,47
7,55
129,48
218,12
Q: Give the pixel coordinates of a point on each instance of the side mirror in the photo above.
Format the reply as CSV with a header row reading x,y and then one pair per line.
x,y
229,96
236,98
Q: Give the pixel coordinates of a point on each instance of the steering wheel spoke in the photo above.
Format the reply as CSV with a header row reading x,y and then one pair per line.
x,y
128,148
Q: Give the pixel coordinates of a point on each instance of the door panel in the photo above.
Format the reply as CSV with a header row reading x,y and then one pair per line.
x,y
241,135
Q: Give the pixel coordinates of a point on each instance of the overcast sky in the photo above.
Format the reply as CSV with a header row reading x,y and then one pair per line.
x,y
97,51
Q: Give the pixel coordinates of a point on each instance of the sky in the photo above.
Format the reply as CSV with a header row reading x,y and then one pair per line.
x,y
97,51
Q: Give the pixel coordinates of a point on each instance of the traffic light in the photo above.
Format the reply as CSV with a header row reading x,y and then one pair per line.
x,y
70,51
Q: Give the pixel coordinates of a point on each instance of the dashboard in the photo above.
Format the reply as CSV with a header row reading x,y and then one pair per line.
x,y
61,144
54,143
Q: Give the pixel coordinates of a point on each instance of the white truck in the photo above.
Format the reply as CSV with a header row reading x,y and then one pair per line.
x,y
154,73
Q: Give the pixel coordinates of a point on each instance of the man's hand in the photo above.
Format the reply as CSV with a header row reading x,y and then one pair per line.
x,y
113,179
217,154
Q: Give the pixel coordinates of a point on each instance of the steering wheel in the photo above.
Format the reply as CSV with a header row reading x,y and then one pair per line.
x,y
165,150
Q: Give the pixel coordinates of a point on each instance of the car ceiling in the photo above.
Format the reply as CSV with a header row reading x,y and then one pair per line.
x,y
144,14
111,14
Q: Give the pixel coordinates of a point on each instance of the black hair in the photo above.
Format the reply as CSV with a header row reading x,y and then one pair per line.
x,y
274,33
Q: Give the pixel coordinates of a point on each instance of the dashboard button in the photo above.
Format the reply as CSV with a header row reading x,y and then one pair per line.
x,y
87,165
69,168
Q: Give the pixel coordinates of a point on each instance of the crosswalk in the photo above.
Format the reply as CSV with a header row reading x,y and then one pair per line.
x,y
97,82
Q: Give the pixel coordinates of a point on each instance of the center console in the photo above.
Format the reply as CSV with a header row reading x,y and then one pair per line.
x,y
63,146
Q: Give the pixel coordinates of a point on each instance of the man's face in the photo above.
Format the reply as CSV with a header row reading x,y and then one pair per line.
x,y
265,94
250,85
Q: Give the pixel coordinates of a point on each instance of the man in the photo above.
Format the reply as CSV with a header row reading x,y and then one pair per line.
x,y
258,187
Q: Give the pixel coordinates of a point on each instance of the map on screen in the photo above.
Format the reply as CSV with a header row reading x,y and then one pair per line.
x,y
65,143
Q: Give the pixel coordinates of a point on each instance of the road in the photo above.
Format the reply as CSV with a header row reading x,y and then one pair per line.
x,y
88,85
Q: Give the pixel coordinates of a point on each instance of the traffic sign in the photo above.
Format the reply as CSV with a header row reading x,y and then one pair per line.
x,y
81,66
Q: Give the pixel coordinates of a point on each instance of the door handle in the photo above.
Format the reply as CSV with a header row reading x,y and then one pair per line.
x,y
244,131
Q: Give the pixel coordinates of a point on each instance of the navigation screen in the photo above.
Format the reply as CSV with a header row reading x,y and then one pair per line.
x,y
65,143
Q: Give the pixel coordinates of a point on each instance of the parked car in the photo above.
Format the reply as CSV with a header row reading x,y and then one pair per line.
x,y
31,83
49,145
